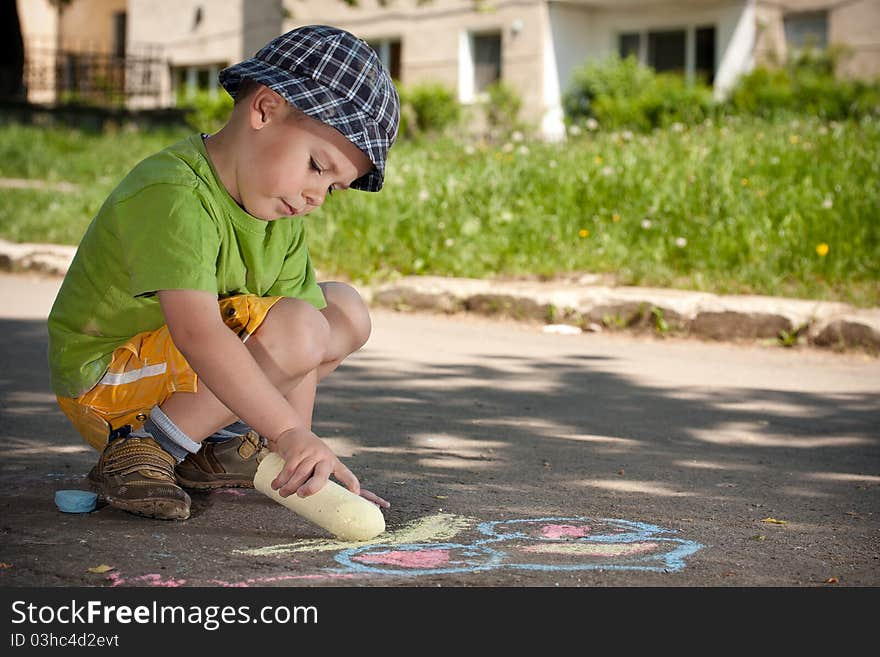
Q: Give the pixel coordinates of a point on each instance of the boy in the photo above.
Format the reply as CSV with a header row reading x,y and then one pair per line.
x,y
190,329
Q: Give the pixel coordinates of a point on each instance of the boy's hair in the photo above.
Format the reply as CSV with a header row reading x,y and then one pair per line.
x,y
245,89
333,76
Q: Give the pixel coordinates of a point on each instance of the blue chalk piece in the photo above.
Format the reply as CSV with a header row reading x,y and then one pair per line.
x,y
75,501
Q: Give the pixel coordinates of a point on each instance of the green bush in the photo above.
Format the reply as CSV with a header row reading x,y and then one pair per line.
x,y
805,85
427,108
207,113
502,108
622,93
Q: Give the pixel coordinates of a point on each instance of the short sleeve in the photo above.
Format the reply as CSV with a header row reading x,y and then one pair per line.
x,y
297,277
168,240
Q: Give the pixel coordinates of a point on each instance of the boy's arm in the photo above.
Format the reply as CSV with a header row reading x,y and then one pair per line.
x,y
225,365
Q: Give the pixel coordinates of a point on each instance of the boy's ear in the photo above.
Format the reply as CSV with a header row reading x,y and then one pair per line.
x,y
265,105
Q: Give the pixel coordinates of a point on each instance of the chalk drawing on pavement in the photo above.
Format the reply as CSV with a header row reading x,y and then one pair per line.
x,y
548,544
425,547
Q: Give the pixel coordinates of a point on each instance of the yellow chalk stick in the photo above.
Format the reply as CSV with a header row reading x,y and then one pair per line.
x,y
334,508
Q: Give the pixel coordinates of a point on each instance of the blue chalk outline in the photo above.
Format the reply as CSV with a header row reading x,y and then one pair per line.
x,y
673,560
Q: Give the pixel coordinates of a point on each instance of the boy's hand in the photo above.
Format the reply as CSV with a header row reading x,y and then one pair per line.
x,y
309,463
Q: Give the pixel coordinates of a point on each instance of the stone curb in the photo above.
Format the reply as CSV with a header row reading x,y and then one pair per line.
x,y
46,258
587,306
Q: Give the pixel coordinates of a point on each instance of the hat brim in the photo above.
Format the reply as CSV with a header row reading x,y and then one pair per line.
x,y
322,103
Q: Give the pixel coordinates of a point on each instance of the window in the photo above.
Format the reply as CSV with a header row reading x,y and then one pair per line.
x,y
389,54
705,54
666,50
486,52
629,45
808,29
188,80
119,21
688,51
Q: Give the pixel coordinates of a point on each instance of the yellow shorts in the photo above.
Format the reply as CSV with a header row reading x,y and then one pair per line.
x,y
146,370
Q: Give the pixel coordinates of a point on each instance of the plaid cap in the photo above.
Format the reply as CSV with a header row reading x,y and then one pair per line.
x,y
335,77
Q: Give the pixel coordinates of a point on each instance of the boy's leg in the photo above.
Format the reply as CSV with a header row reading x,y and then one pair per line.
x,y
233,462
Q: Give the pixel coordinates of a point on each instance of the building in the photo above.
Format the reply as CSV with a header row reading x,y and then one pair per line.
x,y
78,51
533,45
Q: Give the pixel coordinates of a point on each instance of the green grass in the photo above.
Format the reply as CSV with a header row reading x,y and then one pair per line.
x,y
733,207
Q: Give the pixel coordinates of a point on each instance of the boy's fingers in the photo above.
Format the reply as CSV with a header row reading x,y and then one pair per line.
x,y
347,477
316,481
299,476
375,499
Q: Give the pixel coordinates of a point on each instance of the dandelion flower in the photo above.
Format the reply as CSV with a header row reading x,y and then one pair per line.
x,y
626,135
745,182
646,223
470,150
592,124
607,171
583,232
598,159
449,241
507,148
681,242
552,164
822,249
516,135
677,127
424,195
828,203
523,150
615,218
793,139
574,130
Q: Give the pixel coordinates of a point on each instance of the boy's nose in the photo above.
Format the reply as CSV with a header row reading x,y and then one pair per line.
x,y
315,197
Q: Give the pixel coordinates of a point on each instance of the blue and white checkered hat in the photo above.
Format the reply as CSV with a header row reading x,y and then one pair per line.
x,y
335,77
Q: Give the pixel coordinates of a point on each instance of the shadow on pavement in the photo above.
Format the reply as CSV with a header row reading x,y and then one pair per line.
x,y
514,437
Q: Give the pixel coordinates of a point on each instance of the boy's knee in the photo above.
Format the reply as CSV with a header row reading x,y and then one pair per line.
x,y
295,334
345,299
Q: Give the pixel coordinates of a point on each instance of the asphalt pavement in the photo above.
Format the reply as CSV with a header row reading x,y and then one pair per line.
x,y
511,456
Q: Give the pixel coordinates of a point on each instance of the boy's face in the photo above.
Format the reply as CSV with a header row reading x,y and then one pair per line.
x,y
291,162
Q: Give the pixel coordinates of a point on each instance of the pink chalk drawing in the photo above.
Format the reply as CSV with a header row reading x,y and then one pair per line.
x,y
408,559
230,491
550,544
151,579
565,531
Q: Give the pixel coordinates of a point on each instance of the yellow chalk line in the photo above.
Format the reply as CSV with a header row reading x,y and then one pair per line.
x,y
438,527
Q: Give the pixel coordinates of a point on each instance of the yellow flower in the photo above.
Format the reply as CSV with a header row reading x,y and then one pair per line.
x,y
598,159
615,218
583,232
794,139
745,182
822,249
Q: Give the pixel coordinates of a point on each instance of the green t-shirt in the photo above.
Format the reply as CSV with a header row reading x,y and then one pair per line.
x,y
170,224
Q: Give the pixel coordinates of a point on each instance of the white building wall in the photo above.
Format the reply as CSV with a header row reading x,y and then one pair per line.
x,y
217,38
582,33
736,47
39,29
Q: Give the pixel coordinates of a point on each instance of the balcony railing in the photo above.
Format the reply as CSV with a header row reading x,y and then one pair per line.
x,y
91,75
